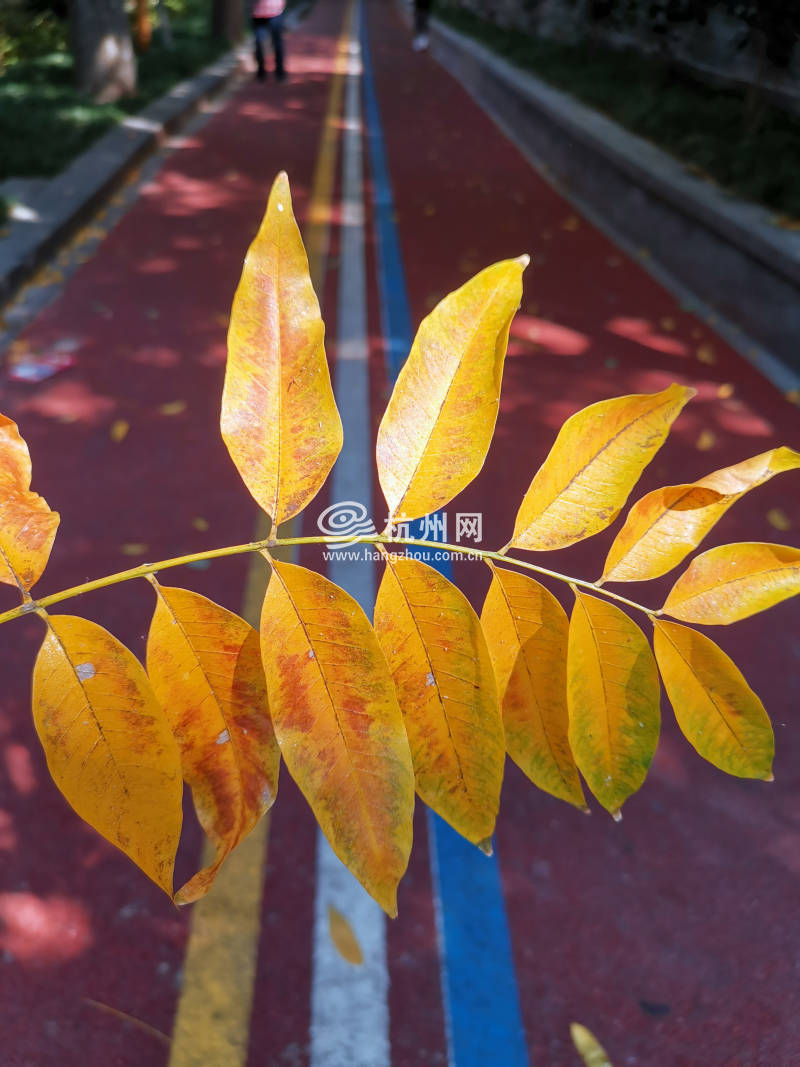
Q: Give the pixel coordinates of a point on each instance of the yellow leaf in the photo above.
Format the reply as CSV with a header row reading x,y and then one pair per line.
x,y
437,655
440,419
588,1047
663,527
343,937
108,744
717,711
526,630
731,582
119,430
596,460
204,664
173,407
779,520
613,695
27,525
338,724
279,418
134,548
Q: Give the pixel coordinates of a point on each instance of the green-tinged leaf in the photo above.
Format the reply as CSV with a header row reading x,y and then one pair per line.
x,y
596,460
588,1047
279,418
204,664
666,525
731,582
440,419
613,695
338,724
716,709
27,525
108,744
527,630
437,655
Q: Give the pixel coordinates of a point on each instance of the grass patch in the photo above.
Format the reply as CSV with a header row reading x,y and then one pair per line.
x,y
45,121
705,127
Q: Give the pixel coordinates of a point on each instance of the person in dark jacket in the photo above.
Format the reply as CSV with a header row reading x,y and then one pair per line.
x,y
268,20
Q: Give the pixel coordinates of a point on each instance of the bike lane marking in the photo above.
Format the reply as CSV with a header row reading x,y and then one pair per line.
x,y
212,1020
479,986
349,1005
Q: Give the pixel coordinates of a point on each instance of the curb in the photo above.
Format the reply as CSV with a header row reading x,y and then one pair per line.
x,y
725,250
70,198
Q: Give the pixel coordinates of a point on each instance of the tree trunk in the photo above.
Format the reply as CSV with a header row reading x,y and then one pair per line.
x,y
105,66
143,30
227,20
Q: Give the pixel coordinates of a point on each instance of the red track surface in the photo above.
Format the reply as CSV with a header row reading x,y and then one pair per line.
x,y
672,935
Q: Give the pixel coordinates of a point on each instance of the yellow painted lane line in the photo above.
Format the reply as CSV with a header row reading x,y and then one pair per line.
x,y
317,230
212,1021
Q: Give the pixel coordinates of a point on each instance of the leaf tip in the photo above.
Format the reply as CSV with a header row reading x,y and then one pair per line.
x,y
486,846
586,809
616,815
523,260
769,777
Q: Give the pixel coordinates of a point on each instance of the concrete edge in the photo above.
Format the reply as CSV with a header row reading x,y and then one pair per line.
x,y
745,225
70,198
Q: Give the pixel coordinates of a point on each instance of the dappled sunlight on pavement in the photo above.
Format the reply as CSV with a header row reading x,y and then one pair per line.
x,y
680,905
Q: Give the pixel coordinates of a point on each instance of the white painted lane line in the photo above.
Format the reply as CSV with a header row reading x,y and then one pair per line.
x,y
349,1004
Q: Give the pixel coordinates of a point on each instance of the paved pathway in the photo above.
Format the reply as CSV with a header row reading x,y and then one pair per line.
x,y
672,935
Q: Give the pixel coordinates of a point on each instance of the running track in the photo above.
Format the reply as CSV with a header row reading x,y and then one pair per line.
x,y
672,935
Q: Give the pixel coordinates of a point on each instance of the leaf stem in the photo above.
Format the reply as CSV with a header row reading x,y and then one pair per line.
x,y
125,576
145,569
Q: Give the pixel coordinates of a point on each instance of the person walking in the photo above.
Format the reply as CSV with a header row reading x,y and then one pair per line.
x,y
422,15
268,19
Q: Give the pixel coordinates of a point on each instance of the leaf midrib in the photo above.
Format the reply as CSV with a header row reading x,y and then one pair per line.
x,y
366,811
429,436
520,647
593,459
439,697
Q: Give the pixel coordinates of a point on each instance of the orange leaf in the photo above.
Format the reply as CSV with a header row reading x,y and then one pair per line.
x,y
279,418
437,654
663,527
205,667
27,525
596,460
614,695
338,724
108,744
526,629
440,419
731,582
343,937
717,711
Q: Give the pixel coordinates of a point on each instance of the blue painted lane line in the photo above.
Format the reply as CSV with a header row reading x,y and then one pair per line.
x,y
479,986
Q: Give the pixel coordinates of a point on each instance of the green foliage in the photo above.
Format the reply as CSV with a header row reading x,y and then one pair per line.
x,y
776,21
706,128
26,33
45,121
